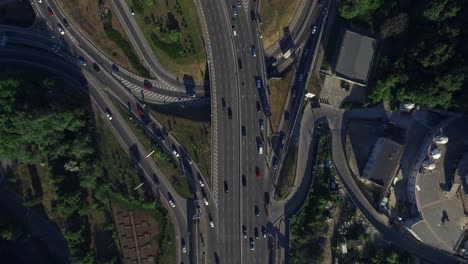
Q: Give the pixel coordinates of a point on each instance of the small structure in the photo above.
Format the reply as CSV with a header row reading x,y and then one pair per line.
x,y
436,153
441,140
428,165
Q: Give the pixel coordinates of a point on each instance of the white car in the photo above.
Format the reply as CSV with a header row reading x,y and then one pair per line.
x,y
175,153
60,29
171,203
314,29
205,201
109,116
211,224
184,249
201,183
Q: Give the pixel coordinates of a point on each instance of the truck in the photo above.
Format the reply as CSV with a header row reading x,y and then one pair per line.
x,y
260,148
287,53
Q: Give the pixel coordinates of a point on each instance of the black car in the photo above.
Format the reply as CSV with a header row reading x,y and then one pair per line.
x,y
275,163
96,67
257,104
256,233
257,211
243,131
223,103
115,68
264,233
226,187
65,23
244,181
244,231
229,113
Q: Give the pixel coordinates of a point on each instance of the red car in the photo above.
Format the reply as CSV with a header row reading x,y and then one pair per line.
x,y
257,172
51,13
147,85
140,111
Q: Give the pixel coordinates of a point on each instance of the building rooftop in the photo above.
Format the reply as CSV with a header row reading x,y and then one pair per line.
x,y
355,57
383,162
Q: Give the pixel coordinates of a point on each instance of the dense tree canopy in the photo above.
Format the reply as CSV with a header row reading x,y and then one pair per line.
x,y
37,123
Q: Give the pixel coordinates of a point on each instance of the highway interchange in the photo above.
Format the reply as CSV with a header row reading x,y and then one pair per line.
x,y
238,107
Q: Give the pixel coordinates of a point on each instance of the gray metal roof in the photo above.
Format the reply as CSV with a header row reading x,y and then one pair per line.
x,y
355,57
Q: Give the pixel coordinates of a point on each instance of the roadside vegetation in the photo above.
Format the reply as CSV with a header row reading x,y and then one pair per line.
x,y
192,128
423,50
69,164
309,226
275,16
172,30
162,159
279,89
94,19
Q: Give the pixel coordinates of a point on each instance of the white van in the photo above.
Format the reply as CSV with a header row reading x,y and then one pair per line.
x,y
260,149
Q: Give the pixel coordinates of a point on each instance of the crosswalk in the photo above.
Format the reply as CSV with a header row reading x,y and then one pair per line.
x,y
146,95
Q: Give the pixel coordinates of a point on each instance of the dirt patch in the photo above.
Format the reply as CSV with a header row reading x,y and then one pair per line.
x,y
85,15
276,15
139,233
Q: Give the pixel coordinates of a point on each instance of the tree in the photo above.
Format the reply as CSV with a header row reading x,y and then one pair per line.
x,y
355,8
394,26
440,10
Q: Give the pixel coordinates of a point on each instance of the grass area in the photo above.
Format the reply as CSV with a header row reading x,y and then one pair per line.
x,y
279,89
191,127
287,174
309,225
275,16
165,162
85,15
160,227
173,32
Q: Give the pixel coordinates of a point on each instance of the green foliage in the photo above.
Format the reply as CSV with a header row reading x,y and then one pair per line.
x,y
358,8
116,37
137,6
174,50
440,10
149,2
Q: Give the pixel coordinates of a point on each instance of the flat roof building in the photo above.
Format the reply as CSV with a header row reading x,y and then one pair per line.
x,y
355,58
